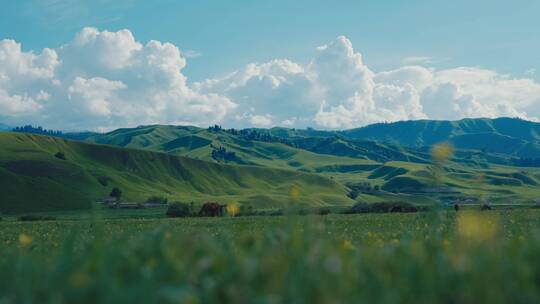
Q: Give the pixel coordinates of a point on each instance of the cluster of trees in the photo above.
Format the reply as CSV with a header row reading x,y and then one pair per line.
x,y
37,130
208,209
178,209
251,134
215,128
363,187
221,154
259,136
116,193
60,155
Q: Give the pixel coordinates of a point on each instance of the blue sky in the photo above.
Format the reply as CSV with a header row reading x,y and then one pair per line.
x,y
495,34
327,64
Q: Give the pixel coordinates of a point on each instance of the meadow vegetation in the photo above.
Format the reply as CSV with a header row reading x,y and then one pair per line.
x,y
427,257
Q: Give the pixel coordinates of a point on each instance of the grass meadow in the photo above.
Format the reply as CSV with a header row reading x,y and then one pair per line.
x,y
426,257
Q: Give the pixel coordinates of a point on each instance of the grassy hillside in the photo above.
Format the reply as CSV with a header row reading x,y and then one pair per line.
x,y
378,171
39,181
400,173
502,141
260,147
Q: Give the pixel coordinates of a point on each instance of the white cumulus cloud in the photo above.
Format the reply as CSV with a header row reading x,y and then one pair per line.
x,y
338,90
103,80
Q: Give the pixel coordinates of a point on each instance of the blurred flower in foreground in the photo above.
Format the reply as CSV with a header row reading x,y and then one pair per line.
x,y
475,226
25,240
233,209
347,244
442,152
79,279
295,191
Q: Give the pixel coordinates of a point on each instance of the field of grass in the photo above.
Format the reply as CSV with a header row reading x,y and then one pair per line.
x,y
428,257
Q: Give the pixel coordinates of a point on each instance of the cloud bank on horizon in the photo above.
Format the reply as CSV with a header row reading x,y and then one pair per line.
x,y
103,80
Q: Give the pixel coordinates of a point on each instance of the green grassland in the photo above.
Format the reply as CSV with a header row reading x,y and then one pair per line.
x,y
35,180
439,257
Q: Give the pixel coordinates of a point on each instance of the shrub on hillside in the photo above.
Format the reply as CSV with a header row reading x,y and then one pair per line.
x,y
353,193
60,155
323,211
360,208
157,200
116,192
178,209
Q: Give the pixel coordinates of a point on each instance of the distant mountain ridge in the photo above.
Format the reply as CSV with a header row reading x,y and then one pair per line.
x,y
510,136
507,137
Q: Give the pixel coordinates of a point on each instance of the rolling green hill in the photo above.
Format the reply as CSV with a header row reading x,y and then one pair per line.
x,y
504,141
493,162
399,172
36,180
259,147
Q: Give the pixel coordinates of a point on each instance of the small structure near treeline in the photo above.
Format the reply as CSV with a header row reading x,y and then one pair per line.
x,y
114,201
212,209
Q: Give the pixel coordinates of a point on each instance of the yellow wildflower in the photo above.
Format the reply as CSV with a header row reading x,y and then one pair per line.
x,y
347,244
233,209
474,226
79,279
25,240
295,192
442,152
